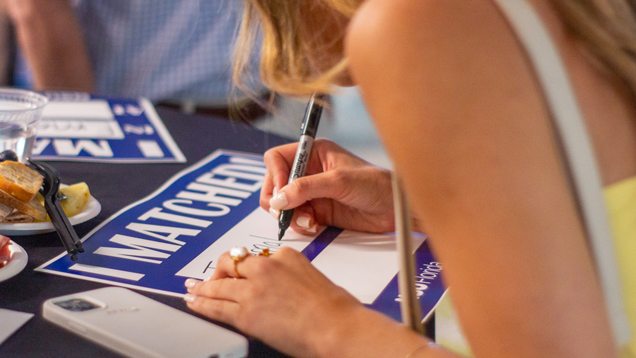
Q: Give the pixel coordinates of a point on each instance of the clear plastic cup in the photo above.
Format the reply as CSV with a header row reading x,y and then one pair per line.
x,y
20,112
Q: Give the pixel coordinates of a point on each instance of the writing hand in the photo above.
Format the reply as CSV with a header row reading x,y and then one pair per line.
x,y
338,189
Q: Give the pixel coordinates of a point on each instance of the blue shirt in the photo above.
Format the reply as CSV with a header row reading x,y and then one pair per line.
x,y
161,49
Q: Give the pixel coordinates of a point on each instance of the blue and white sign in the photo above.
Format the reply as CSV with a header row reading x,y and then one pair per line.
x,y
181,229
83,128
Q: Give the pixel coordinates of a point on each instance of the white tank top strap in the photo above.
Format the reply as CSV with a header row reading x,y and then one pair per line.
x,y
576,150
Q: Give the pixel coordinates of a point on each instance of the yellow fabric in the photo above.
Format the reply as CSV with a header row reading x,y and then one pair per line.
x,y
620,199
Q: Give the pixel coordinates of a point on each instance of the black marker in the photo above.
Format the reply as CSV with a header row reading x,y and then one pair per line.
x,y
308,134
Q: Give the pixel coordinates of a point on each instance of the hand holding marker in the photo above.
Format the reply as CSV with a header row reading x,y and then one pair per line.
x,y
307,136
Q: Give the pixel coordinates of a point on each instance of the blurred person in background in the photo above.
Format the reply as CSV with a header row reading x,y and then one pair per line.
x,y
174,52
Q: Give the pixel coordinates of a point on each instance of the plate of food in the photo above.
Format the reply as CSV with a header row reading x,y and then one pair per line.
x,y
22,209
77,210
13,258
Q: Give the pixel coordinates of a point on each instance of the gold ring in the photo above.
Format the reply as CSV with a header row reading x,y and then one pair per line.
x,y
238,254
264,252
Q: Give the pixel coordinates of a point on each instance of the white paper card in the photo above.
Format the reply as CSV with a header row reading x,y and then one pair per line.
x,y
11,322
95,110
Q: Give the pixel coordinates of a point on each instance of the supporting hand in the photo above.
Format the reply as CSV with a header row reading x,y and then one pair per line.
x,y
285,302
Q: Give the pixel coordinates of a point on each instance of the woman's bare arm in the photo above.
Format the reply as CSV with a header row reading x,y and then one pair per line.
x,y
460,114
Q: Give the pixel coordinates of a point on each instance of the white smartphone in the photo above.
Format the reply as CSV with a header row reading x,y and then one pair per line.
x,y
137,326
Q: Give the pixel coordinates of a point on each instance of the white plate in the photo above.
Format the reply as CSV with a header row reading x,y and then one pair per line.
x,y
18,262
93,207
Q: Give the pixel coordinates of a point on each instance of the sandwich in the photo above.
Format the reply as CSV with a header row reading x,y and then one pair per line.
x,y
19,185
19,181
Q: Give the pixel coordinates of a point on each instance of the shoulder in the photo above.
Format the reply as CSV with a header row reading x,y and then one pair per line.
x,y
402,29
406,52
410,44
406,16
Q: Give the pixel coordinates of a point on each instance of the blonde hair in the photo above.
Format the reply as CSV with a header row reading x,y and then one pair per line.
x,y
284,60
606,29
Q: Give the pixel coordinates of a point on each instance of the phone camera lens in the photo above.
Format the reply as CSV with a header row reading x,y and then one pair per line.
x,y
77,305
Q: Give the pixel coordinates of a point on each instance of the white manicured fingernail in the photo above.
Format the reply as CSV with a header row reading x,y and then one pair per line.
x,y
303,221
208,278
275,191
313,229
189,283
275,213
278,201
189,298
